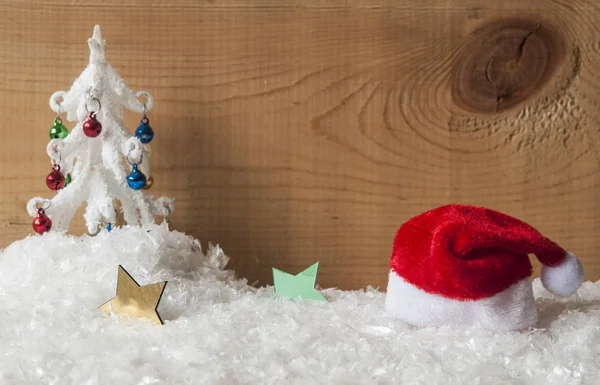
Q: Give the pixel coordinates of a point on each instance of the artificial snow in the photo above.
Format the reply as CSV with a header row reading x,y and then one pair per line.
x,y
219,330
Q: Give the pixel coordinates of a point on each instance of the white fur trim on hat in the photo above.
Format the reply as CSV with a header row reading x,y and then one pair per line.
x,y
564,279
511,309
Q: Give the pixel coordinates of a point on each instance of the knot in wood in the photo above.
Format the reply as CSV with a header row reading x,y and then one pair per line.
x,y
504,63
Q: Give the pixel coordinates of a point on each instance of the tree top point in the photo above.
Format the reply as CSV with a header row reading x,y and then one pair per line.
x,y
97,45
97,35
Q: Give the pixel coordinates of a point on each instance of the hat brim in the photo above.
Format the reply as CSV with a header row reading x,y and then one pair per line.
x,y
512,309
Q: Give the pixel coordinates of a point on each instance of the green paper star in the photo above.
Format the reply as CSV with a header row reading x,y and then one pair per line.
x,y
300,286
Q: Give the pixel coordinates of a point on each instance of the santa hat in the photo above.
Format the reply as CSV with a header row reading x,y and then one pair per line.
x,y
466,265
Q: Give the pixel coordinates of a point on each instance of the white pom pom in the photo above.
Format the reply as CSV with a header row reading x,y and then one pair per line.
x,y
564,279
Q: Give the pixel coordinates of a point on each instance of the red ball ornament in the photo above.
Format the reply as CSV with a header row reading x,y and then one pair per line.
x,y
91,126
56,179
42,223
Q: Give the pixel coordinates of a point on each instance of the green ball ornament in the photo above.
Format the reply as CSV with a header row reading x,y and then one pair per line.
x,y
58,130
67,180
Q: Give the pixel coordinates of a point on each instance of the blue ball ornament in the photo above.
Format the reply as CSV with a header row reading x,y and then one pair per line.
x,y
136,180
144,132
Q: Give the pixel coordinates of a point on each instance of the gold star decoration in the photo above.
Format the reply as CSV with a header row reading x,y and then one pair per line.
x,y
135,300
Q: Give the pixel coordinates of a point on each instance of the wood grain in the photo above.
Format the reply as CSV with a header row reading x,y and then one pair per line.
x,y
294,131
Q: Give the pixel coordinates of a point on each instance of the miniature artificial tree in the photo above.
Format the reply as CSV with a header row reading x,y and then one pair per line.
x,y
92,162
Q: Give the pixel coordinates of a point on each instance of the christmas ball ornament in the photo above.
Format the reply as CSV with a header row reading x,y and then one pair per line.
x,y
466,265
55,180
144,132
92,127
136,180
67,180
149,183
58,130
105,225
41,223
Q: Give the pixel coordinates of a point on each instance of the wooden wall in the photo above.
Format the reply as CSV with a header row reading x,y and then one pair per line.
x,y
291,131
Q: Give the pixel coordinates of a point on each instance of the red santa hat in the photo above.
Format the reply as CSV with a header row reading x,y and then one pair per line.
x,y
466,265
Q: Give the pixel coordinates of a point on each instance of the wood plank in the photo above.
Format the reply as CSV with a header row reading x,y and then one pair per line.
x,y
295,131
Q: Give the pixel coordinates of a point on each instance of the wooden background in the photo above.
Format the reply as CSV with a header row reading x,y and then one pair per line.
x,y
295,131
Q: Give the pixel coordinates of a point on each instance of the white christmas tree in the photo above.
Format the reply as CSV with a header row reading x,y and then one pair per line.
x,y
99,158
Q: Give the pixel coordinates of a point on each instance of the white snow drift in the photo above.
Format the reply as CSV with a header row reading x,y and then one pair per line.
x,y
219,330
